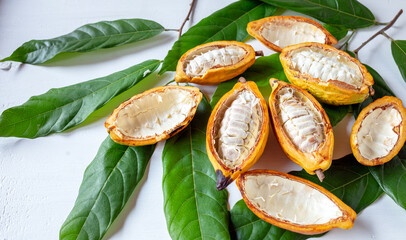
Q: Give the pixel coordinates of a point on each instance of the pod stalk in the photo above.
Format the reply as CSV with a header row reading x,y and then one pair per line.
x,y
320,174
259,53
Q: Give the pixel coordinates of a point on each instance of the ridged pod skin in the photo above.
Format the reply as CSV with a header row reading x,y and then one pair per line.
x,y
321,158
227,174
193,96
331,91
312,31
398,118
219,72
344,221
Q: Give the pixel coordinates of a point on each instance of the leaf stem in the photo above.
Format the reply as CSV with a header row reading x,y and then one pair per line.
x,y
381,23
348,39
187,17
174,30
166,84
390,24
387,36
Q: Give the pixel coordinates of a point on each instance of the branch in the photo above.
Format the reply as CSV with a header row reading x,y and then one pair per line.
x,y
187,17
390,24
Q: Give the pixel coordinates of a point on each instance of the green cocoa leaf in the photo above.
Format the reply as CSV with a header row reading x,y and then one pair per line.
x,y
399,54
107,184
349,13
336,113
62,108
229,23
338,31
193,208
260,72
348,180
391,176
381,90
105,34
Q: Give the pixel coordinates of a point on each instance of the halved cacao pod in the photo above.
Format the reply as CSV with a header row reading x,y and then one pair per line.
x,y
329,74
379,132
214,62
278,32
154,115
302,127
237,132
293,203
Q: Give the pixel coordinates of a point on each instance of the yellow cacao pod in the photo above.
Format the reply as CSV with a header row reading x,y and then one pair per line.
x,y
293,203
379,132
329,74
277,32
214,62
237,132
302,127
154,115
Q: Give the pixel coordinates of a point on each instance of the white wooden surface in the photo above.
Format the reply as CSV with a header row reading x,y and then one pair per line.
x,y
40,178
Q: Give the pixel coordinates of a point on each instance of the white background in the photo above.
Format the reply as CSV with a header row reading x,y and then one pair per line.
x,y
40,178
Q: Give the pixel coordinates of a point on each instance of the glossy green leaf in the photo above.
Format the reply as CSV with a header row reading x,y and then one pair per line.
x,y
336,113
399,54
381,90
62,108
348,180
338,31
229,23
89,37
245,225
348,13
260,72
391,176
194,209
107,184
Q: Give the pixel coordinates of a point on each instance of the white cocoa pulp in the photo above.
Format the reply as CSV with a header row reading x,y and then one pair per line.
x,y
376,136
155,113
326,65
202,60
286,32
239,129
300,120
290,200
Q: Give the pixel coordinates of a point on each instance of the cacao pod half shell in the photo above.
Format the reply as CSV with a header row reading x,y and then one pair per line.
x,y
301,126
331,75
277,32
154,115
237,132
379,132
293,203
214,62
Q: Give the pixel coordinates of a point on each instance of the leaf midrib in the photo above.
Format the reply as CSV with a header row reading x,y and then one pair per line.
x,y
342,12
58,42
98,196
79,99
194,182
246,13
397,45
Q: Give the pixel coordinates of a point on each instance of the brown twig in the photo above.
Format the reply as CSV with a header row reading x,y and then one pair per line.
x,y
390,24
187,17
